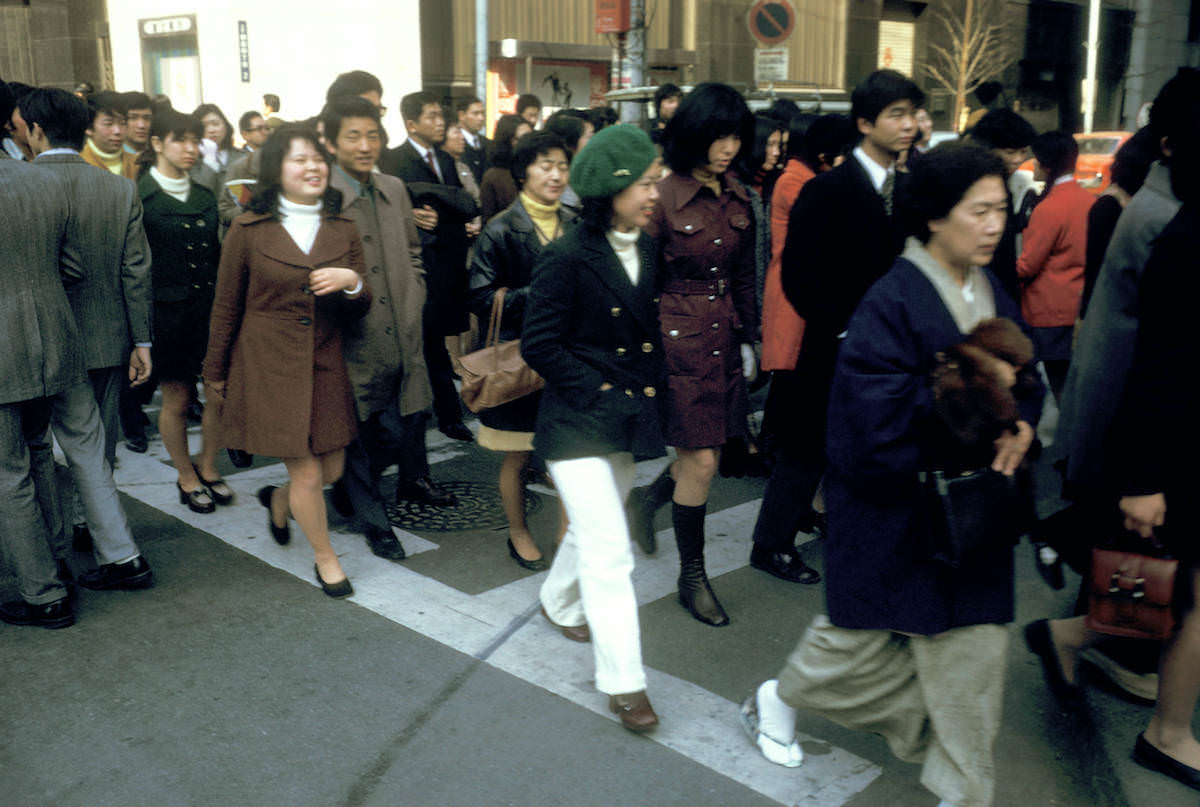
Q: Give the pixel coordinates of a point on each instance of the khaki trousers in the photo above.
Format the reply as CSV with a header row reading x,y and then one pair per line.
x,y
937,700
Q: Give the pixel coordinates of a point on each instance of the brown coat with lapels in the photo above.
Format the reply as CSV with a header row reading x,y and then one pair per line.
x,y
278,346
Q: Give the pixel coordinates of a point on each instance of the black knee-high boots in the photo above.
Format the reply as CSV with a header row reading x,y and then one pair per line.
x,y
695,594
643,504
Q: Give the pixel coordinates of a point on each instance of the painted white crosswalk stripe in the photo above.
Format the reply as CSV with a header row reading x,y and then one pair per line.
x,y
697,723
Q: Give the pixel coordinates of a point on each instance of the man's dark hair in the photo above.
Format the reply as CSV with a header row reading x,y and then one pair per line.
x,y
941,178
105,102
342,107
356,82
246,119
463,103
664,92
880,90
1002,129
797,128
169,122
413,104
568,124
7,102
532,146
784,109
135,100
988,91
502,146
527,100
63,116
271,101
707,114
601,117
1132,161
1056,152
269,187
1170,112
827,137
20,89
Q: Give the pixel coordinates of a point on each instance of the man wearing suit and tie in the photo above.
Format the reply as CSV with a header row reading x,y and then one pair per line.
x,y
470,114
105,258
43,378
843,235
442,210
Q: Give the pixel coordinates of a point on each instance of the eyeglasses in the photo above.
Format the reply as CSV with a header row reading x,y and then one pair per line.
x,y
262,127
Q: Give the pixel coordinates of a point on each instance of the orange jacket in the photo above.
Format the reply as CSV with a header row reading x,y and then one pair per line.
x,y
782,327
1053,256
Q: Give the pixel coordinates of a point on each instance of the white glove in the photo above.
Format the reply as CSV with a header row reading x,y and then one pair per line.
x,y
749,363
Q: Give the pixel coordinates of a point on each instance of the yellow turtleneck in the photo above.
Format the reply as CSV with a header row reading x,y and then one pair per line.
x,y
545,217
114,162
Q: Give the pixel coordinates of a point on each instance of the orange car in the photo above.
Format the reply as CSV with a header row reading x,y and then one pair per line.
x,y
1096,151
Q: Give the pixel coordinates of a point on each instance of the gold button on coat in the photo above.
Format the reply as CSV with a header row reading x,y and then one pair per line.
x,y
620,351
647,347
616,312
649,392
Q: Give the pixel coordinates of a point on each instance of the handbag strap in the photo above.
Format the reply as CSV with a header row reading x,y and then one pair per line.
x,y
493,332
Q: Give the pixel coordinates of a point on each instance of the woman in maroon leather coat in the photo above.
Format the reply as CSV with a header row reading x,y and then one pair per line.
x,y
705,230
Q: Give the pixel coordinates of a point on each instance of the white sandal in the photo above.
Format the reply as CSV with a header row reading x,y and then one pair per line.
x,y
789,754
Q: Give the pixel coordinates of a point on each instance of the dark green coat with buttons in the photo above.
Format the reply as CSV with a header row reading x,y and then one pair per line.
x,y
184,246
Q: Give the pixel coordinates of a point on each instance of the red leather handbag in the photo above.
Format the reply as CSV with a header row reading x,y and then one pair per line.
x,y
1130,594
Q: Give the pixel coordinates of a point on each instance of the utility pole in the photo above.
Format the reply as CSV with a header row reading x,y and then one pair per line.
x,y
1093,52
634,62
481,50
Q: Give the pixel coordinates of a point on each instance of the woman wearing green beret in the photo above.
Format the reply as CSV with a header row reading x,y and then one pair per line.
x,y
591,330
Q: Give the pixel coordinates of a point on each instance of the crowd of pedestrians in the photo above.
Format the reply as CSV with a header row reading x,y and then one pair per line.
x,y
909,308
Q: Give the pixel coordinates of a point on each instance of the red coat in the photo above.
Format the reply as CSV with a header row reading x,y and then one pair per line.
x,y
277,345
1053,255
782,327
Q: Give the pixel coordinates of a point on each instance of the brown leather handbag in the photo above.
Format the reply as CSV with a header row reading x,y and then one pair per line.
x,y
496,374
1131,593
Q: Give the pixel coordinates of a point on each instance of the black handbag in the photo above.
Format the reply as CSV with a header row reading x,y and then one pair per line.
x,y
971,512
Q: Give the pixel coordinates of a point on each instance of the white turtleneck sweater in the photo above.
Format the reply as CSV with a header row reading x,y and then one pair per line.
x,y
176,188
301,222
625,245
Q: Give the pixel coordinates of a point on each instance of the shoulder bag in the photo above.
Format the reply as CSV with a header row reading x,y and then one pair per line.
x,y
496,374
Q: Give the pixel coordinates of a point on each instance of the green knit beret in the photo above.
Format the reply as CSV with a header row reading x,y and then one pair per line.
x,y
615,158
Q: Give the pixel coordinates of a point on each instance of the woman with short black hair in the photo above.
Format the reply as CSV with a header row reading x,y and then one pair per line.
x,y
498,189
291,275
704,226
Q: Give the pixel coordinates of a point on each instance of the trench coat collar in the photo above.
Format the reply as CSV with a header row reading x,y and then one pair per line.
x,y
274,242
350,193
689,186
607,267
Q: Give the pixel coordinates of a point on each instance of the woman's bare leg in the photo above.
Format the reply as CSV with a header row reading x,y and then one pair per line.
x,y
512,494
172,426
306,500
1170,728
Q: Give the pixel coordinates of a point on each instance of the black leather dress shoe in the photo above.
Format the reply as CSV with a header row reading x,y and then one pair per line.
x,y
137,443
239,458
52,615
1040,642
1150,757
784,565
132,574
81,538
340,499
457,431
384,544
425,491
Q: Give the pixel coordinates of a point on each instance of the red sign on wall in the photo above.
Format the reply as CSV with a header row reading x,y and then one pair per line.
x,y
612,16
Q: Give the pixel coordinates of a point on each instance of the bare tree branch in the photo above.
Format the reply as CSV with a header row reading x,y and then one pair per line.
x,y
970,43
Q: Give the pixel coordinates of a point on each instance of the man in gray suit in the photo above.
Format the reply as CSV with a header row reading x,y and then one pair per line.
x,y
105,262
43,379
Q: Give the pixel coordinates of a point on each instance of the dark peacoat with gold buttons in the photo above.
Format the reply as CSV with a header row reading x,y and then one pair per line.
x,y
184,247
708,307
277,346
587,324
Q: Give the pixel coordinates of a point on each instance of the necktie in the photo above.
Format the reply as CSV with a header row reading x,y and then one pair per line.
x,y
432,164
889,185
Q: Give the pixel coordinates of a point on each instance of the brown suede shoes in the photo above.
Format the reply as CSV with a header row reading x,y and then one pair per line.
x,y
576,633
634,709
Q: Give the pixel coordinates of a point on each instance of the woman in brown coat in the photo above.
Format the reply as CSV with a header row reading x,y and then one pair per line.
x,y
705,230
291,274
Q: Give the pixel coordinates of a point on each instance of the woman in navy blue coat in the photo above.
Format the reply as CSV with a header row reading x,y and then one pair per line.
x,y
914,648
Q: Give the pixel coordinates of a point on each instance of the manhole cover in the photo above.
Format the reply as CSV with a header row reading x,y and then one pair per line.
x,y
479,508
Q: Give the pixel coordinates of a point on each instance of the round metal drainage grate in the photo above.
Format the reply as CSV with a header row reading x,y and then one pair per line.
x,y
479,508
